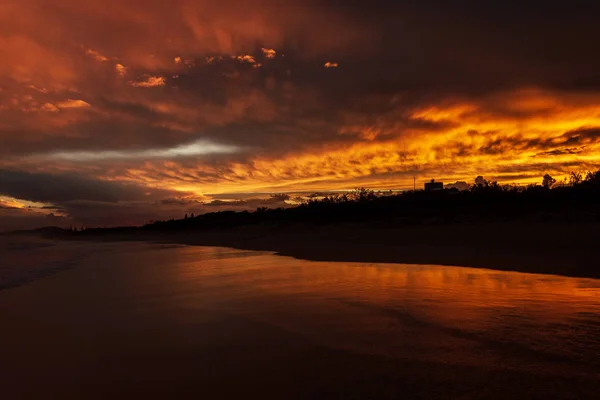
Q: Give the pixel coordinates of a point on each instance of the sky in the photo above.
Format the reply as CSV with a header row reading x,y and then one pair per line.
x,y
118,112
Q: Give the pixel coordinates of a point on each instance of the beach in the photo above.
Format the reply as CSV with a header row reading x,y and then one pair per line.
x,y
133,319
559,248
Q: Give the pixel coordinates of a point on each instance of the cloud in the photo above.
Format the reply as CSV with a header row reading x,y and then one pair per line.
x,y
72,104
269,53
180,201
8,203
197,148
49,107
121,70
331,65
41,90
96,55
246,58
62,188
149,82
559,152
272,201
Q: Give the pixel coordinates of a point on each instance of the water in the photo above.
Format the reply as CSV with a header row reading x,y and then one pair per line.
x,y
141,319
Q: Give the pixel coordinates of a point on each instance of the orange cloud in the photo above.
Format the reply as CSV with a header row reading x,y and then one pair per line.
x,y
96,55
72,104
331,65
246,58
269,53
150,82
121,70
8,202
29,62
49,107
41,90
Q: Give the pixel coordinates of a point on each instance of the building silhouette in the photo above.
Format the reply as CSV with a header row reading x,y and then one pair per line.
x,y
433,185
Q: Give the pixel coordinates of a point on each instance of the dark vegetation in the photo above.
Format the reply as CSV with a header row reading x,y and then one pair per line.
x,y
574,200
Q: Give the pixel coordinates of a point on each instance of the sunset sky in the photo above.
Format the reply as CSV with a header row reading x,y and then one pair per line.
x,y
117,112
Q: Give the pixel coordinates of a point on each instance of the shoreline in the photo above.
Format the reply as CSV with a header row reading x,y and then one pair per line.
x,y
567,249
152,321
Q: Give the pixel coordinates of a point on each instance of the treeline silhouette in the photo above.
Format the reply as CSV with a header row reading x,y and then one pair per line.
x,y
575,199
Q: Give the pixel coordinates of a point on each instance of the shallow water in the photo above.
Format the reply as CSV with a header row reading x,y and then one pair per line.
x,y
141,319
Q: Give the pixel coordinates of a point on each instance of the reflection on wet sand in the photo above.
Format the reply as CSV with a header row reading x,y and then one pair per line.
x,y
357,305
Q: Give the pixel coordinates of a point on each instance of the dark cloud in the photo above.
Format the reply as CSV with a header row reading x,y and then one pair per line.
x,y
582,135
61,188
274,200
560,152
179,202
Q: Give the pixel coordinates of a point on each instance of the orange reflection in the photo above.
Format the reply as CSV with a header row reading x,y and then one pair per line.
x,y
434,313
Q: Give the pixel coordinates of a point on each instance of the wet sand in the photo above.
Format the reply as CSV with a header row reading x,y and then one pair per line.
x,y
544,248
156,321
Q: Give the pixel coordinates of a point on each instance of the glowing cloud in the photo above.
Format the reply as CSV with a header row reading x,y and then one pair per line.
x,y
246,58
331,65
178,60
269,53
8,202
150,82
121,70
49,107
70,103
37,89
96,55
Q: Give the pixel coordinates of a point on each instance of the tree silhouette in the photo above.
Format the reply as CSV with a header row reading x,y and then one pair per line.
x,y
480,183
575,178
548,181
593,177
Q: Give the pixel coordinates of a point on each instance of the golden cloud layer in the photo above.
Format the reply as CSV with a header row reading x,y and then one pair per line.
x,y
560,133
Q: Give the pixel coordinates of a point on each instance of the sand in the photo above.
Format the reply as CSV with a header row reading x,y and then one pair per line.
x,y
545,248
149,322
